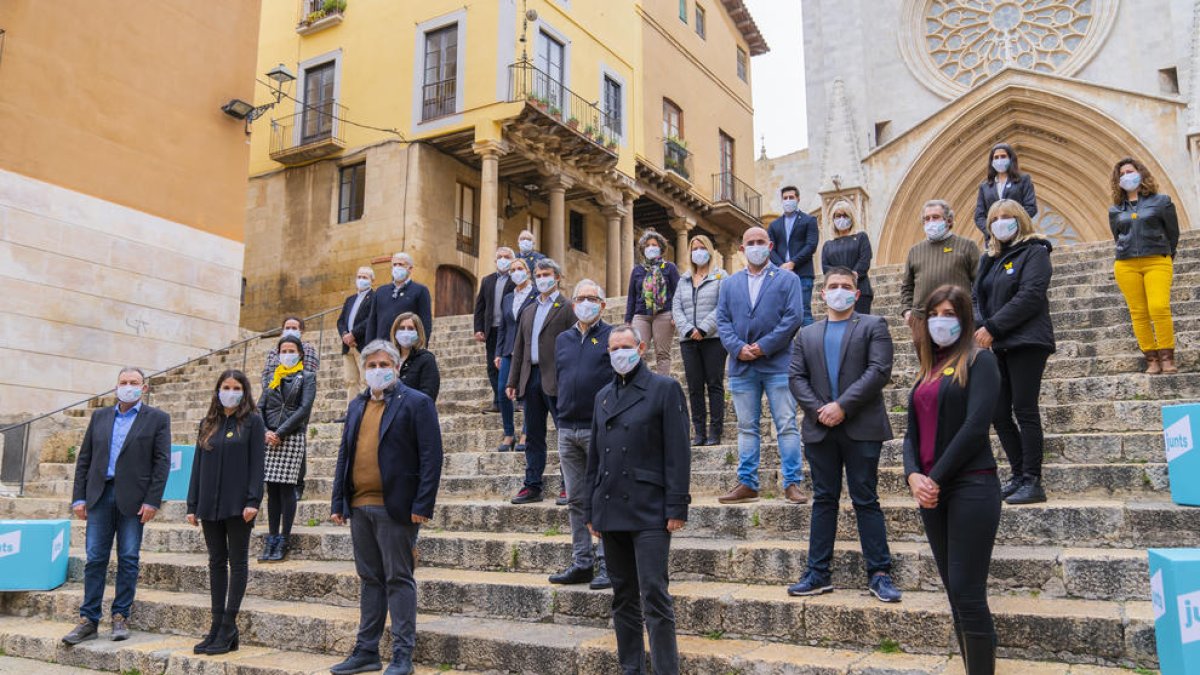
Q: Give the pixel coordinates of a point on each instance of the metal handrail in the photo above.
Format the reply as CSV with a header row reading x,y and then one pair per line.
x,y
535,86
727,187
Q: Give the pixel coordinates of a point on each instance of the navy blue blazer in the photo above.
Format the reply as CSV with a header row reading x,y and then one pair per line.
x,y
361,320
1020,191
506,334
803,243
771,323
413,297
410,454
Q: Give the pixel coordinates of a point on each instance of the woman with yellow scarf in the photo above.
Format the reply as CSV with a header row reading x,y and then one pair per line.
x,y
286,405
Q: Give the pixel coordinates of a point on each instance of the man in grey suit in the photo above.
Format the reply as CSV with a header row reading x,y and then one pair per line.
x,y
838,371
638,471
119,481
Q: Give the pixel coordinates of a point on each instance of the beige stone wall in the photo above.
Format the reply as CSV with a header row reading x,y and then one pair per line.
x,y
87,286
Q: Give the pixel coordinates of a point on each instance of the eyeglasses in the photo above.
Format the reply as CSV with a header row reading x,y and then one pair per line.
x,y
588,298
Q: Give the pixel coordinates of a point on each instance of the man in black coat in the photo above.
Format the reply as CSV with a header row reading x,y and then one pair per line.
x,y
838,371
638,471
794,237
400,296
119,480
489,316
352,326
386,483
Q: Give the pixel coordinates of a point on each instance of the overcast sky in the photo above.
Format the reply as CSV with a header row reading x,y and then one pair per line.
x,y
779,107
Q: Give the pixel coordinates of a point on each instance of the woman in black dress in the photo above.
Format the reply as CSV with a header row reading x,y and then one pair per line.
x,y
223,498
849,249
286,405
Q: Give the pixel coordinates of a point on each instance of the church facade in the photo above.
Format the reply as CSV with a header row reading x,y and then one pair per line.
x,y
906,97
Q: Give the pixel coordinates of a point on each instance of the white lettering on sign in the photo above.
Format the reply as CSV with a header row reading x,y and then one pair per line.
x,y
176,460
56,548
1177,438
10,544
1157,601
1189,617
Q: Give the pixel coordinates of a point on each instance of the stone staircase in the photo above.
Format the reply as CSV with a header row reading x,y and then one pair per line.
x,y
1069,579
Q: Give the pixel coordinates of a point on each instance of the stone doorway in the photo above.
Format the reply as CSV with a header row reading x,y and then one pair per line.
x,y
454,292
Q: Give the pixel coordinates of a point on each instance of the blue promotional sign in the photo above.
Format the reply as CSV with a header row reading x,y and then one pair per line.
x,y
1181,428
1175,598
181,473
33,554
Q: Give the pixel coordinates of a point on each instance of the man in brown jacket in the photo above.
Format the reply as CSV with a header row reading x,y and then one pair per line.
x,y
532,377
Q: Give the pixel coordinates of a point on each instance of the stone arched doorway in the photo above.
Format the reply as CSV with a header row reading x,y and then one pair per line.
x,y
1068,147
454,292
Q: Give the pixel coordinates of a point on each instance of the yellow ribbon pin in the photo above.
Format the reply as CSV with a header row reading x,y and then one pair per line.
x,y
1008,266
948,371
947,249
1133,216
595,341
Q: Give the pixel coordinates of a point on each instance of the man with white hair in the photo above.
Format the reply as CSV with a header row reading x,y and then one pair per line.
x,y
488,317
525,249
400,296
352,326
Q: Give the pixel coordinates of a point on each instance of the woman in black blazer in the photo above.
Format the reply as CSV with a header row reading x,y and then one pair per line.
x,y
224,496
851,250
949,465
1004,181
514,302
418,366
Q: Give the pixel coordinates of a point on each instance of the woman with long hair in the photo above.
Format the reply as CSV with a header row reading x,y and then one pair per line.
x,y
418,366
851,250
223,498
1004,181
1145,228
286,405
694,311
949,466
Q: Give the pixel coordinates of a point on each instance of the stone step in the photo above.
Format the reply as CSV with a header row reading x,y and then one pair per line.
x,y
1079,573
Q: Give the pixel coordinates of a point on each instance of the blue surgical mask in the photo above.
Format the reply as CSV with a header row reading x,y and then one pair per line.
x,y
758,255
290,332
1004,229
399,273
1130,181
289,360
379,379
502,264
545,284
519,276
944,330
624,360
406,337
790,205
526,245
936,230
842,223
1001,164
700,257
362,284
840,299
129,393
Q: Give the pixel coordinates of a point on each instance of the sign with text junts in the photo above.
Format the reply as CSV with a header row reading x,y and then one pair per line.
x,y
180,478
1181,431
1175,599
33,554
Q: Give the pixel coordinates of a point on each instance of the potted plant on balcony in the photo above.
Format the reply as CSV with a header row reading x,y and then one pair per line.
x,y
611,144
334,6
590,132
313,17
573,122
556,113
541,103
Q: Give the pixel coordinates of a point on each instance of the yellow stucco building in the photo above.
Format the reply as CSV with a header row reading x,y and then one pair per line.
x,y
445,128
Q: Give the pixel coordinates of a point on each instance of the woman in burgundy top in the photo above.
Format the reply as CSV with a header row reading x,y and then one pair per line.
x,y
949,464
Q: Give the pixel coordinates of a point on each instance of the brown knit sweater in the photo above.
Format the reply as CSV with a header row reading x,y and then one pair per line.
x,y
953,260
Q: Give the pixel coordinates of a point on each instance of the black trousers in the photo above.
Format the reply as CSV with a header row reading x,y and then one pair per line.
x,y
637,567
962,532
228,544
281,506
538,405
492,371
1020,386
704,369
863,304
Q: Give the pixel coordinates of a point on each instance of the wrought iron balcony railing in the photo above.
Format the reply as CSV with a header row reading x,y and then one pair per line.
x,y
534,86
315,131
676,158
467,236
729,188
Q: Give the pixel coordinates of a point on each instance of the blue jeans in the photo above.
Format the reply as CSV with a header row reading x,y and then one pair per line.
x,y
104,522
506,406
747,393
806,288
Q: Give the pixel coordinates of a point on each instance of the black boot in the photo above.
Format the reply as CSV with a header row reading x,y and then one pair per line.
x,y
1011,486
280,551
980,654
212,632
714,433
698,438
226,639
268,542
1030,492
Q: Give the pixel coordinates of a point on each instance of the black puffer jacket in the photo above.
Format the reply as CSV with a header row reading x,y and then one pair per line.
x,y
1149,227
286,409
1011,298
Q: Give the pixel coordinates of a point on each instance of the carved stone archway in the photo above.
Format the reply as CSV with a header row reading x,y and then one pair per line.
x,y
1068,147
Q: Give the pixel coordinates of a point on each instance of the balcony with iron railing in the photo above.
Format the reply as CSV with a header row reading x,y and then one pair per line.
x,y
315,15
314,132
735,203
466,237
563,120
676,158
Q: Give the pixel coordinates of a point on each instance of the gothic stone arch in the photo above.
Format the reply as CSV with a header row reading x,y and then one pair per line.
x,y
1068,147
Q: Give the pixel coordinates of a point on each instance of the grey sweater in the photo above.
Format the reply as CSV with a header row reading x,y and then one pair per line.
x,y
953,260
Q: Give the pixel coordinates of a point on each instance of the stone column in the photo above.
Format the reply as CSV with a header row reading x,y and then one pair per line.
x,y
555,230
612,267
682,227
626,244
489,205
733,261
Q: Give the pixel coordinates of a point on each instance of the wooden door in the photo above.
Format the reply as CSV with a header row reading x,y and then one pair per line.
x,y
454,292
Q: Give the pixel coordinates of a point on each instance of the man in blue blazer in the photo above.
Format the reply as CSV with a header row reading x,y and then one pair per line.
x,y
386,482
794,238
758,312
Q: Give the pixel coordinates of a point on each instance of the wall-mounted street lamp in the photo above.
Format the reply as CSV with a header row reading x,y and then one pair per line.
x,y
239,109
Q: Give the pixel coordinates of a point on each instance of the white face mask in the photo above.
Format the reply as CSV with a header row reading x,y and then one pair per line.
x,y
944,330
289,360
519,276
362,284
587,311
1130,181
842,223
624,360
757,255
936,230
1004,229
129,393
406,337
290,332
789,205
379,379
700,257
526,245
652,252
840,299
399,273
502,264
230,398
545,284
1001,165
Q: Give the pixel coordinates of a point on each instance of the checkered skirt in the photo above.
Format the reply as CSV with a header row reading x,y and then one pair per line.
x,y
284,460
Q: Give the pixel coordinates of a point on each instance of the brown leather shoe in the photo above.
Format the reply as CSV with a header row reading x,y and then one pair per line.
x,y
1166,360
1152,365
739,495
794,495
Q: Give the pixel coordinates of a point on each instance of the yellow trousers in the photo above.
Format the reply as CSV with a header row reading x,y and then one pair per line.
x,y
1146,285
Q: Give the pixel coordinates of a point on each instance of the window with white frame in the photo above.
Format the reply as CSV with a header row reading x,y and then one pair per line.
x,y
439,96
